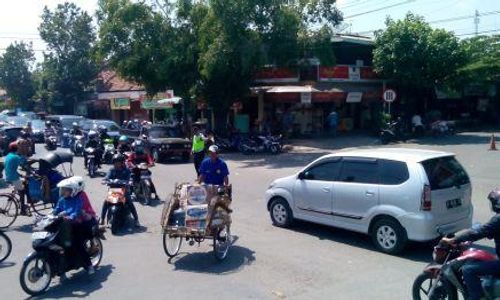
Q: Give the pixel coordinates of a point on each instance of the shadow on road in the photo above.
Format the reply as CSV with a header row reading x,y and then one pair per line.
x,y
80,285
26,228
284,160
7,264
420,252
204,262
458,139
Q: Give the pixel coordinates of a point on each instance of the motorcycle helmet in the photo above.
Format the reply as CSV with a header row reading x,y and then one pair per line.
x,y
138,147
494,197
118,158
75,125
92,135
48,123
102,129
123,139
73,184
24,134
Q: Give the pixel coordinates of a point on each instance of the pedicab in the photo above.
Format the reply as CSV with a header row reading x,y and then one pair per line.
x,y
41,178
196,213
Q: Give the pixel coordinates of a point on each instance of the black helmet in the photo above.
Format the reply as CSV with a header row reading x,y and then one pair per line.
x,y
494,197
24,134
138,147
118,158
48,123
102,129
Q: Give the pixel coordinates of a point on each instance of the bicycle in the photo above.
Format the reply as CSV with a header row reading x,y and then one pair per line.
x,y
5,246
10,204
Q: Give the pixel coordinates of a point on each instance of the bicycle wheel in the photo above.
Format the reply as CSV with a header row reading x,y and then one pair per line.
x,y
42,208
5,246
9,210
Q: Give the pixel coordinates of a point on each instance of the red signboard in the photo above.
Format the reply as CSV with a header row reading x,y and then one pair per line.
x,y
276,74
340,72
368,73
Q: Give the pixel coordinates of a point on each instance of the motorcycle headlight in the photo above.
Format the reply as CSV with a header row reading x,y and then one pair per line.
x,y
166,146
187,146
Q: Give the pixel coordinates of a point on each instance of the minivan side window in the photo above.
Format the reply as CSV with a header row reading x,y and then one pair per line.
x,y
327,171
445,172
359,171
393,172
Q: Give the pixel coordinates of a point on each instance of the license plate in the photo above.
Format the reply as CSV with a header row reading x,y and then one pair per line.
x,y
145,176
453,203
90,156
39,235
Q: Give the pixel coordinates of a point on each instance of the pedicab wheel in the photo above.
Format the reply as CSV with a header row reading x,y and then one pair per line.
x,y
222,242
9,210
423,284
95,251
5,246
171,244
35,276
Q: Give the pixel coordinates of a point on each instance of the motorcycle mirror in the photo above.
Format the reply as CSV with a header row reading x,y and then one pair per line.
x,y
476,226
301,176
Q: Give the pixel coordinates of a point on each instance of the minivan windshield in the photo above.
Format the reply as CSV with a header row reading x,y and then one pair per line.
x,y
445,172
164,132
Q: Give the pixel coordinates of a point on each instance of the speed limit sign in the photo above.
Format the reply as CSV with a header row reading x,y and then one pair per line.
x,y
389,96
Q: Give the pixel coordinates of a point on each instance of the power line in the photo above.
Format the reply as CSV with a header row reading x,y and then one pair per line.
x,y
379,9
480,32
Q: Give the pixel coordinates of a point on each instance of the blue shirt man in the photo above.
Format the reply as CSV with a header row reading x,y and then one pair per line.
x,y
12,163
213,170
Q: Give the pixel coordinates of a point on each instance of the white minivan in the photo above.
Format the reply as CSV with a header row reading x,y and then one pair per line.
x,y
394,195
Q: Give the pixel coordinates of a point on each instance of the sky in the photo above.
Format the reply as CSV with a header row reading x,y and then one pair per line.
x,y
19,19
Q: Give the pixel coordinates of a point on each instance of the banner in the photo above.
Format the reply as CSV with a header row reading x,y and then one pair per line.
x,y
120,104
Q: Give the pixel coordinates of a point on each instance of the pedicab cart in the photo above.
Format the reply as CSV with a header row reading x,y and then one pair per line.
x,y
196,213
41,177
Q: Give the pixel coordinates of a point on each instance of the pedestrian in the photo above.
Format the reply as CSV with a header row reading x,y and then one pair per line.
x,y
198,149
332,121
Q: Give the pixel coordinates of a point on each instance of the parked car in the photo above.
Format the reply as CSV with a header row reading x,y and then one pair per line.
x,y
8,134
111,126
38,127
18,120
394,195
29,114
164,142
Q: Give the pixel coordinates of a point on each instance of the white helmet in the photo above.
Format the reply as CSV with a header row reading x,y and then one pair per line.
x,y
75,184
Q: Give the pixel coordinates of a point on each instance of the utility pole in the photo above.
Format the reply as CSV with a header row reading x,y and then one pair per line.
x,y
476,22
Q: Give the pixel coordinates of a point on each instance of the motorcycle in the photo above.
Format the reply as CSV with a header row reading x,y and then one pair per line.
x,y
261,143
118,211
442,279
91,153
50,258
78,145
142,188
392,132
51,142
109,151
441,128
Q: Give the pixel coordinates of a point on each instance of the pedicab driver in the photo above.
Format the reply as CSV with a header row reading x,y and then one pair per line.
x,y
213,170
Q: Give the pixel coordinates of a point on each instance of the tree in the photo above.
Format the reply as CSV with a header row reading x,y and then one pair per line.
x,y
69,67
15,74
416,57
483,60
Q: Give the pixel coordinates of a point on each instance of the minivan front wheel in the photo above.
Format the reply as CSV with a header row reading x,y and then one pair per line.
x,y
389,236
281,214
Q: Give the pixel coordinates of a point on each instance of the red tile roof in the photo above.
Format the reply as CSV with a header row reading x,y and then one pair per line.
x,y
110,81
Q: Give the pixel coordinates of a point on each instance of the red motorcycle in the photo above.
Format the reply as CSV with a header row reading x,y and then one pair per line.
x,y
443,278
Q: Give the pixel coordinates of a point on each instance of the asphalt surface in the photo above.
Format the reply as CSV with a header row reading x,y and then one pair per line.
x,y
305,262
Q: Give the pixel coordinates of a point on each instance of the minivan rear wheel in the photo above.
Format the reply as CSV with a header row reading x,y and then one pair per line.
x,y
389,236
281,214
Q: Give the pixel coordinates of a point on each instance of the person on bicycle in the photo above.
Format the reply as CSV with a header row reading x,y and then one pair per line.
x,y
137,157
94,143
12,163
121,172
491,230
213,169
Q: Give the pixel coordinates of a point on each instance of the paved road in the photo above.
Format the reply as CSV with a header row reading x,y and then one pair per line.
x,y
306,262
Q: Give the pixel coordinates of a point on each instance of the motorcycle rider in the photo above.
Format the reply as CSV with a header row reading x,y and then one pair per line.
x,y
491,230
50,130
123,145
138,156
70,206
121,172
103,133
75,130
24,144
94,143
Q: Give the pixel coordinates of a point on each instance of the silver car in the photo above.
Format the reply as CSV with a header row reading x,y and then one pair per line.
x,y
394,195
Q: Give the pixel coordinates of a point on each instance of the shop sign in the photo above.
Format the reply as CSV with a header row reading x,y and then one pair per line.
x,y
305,98
354,97
120,104
154,104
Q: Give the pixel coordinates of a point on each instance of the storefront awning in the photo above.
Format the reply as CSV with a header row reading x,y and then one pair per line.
x,y
292,89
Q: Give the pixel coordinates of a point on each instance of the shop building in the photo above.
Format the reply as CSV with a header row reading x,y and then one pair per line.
x,y
307,94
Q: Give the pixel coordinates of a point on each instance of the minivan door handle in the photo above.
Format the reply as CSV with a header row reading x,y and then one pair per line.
x,y
326,189
370,193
